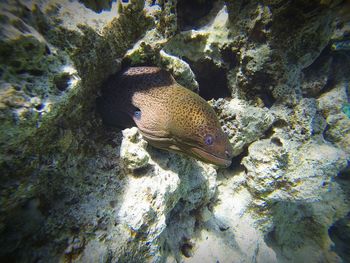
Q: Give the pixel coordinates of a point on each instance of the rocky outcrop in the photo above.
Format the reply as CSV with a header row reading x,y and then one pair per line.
x,y
74,190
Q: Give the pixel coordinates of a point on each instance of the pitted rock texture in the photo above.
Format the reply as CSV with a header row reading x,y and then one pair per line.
x,y
73,190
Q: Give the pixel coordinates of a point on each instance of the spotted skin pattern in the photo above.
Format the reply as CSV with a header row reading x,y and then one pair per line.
x,y
168,115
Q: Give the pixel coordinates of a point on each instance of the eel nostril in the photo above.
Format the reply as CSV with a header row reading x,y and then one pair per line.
x,y
228,155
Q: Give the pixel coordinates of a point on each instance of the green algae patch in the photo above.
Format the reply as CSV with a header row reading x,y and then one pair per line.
x,y
50,78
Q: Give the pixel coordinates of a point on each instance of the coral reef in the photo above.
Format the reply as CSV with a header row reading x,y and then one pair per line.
x,y
73,190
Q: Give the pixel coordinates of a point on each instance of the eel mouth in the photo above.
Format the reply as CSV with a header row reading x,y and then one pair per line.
x,y
173,144
211,158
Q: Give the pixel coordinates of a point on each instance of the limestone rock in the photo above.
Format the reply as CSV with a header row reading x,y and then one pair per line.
x,y
331,103
180,70
156,194
74,190
298,193
133,152
244,123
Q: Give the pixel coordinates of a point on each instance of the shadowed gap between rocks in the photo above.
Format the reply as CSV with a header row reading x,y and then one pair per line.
x,y
185,245
183,224
212,79
189,12
293,227
98,5
339,232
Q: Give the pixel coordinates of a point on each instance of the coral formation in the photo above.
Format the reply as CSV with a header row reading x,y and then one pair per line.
x,y
74,190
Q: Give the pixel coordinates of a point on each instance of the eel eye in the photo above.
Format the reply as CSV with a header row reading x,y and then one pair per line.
x,y
137,114
208,139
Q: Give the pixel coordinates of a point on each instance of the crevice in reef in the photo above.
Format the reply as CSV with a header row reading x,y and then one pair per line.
x,y
207,75
189,12
339,233
97,5
267,98
259,88
237,160
336,72
230,57
76,190
318,76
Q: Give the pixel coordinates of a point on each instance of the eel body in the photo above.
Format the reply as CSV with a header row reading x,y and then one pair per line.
x,y
168,115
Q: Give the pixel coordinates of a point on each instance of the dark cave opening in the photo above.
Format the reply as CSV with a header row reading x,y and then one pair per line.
x,y
339,233
98,6
212,79
237,160
61,81
229,56
189,12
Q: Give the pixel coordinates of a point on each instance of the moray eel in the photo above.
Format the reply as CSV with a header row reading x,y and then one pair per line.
x,y
168,115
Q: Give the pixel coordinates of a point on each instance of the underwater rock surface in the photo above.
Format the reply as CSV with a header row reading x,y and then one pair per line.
x,y
73,190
